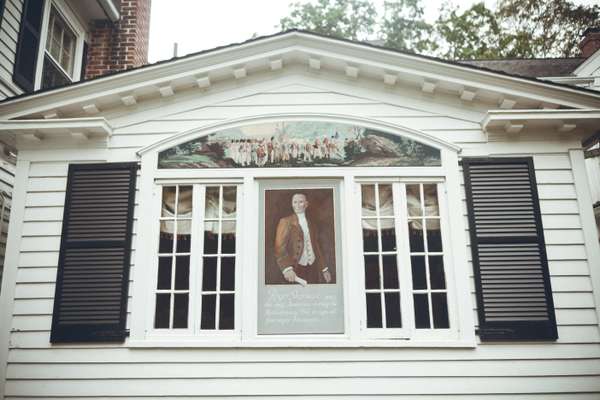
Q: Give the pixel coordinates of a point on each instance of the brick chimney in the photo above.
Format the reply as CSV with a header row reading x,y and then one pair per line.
x,y
122,44
590,42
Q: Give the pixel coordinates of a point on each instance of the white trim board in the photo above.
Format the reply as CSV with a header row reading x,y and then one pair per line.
x,y
188,135
299,47
39,130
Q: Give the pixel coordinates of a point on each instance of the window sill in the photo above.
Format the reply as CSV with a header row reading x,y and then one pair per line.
x,y
300,343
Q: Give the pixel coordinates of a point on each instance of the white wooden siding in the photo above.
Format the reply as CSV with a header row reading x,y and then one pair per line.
x,y
9,35
569,368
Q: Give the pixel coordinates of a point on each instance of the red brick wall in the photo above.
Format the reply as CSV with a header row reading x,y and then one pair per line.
x,y
120,45
591,42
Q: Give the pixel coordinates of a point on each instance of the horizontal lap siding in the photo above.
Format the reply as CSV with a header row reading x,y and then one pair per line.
x,y
491,371
569,270
9,33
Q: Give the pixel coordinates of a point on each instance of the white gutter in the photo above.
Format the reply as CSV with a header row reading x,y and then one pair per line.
x,y
110,9
499,118
39,130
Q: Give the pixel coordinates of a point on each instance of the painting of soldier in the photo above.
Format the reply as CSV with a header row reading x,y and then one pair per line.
x,y
299,237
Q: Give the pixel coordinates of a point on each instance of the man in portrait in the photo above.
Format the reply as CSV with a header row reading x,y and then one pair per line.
x,y
297,249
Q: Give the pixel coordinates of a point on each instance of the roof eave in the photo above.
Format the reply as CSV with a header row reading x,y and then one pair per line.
x,y
310,43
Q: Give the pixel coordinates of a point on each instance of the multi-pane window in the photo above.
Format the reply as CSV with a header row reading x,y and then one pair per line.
x,y
174,254
426,257
386,246
218,258
60,52
382,287
196,272
402,259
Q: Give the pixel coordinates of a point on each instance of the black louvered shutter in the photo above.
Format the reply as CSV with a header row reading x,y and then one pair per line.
x,y
84,61
90,302
28,44
2,4
514,297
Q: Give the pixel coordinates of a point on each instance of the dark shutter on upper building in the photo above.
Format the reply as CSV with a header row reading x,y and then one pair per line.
x,y
90,302
2,4
28,44
84,61
514,297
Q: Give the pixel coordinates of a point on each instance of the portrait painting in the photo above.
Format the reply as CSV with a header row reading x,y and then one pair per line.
x,y
300,260
299,237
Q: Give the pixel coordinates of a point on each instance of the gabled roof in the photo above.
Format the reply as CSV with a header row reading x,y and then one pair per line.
x,y
532,67
273,52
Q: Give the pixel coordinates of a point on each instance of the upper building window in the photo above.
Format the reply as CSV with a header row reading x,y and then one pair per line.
x,y
59,52
50,46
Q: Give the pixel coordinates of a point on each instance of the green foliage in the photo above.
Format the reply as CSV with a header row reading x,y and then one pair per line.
x,y
515,29
545,28
404,28
473,34
350,19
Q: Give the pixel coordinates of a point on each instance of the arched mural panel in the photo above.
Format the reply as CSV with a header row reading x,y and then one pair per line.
x,y
299,144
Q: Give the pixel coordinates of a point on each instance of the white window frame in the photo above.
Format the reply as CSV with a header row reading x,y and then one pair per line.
x,y
193,331
78,29
460,307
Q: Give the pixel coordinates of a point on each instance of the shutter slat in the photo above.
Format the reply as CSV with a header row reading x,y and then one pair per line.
x,y
514,297
93,273
28,44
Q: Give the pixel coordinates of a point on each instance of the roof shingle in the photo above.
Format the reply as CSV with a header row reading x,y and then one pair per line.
x,y
531,68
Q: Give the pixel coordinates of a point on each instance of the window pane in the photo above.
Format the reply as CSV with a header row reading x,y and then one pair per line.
x,y
183,243
434,237
211,238
161,313
168,201
415,236
182,273
228,237
165,243
180,316
52,76
372,272
419,276
388,235
431,201
227,273
226,311
421,311
440,310
436,272
386,200
390,272
184,204
211,202
209,274
392,310
413,200
229,202
164,273
368,200
374,310
370,239
207,319
67,50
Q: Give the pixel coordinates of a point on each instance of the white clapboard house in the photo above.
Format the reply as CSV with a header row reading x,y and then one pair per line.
x,y
50,43
298,216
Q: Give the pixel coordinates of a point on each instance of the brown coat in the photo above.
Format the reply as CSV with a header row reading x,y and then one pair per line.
x,y
289,242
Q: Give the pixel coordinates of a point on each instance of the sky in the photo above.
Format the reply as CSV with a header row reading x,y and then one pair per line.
x,y
204,24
